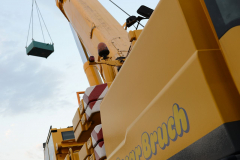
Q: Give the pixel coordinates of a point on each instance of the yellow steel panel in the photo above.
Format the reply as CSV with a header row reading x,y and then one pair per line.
x,y
75,156
138,33
84,129
57,139
57,136
89,143
198,24
201,91
76,119
167,42
67,157
108,73
81,107
85,152
134,35
92,74
176,60
80,128
85,15
131,36
230,46
92,157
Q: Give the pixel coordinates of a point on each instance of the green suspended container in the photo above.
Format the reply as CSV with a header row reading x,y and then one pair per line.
x,y
40,49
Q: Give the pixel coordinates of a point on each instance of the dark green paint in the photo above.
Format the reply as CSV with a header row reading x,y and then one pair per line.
x,y
40,49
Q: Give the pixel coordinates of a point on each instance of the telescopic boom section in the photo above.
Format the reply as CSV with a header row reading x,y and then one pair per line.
x,y
94,24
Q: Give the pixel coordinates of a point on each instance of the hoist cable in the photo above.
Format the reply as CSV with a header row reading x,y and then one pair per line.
x,y
32,18
43,21
124,12
120,8
40,23
29,27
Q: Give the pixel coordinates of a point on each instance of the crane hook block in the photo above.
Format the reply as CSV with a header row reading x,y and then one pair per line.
x,y
40,49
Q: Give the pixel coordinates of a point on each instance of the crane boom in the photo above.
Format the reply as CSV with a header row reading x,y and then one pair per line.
x,y
93,24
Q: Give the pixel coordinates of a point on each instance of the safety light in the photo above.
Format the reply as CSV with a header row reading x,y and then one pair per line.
x,y
91,59
103,50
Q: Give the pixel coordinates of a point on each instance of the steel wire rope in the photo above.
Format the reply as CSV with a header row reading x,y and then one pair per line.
x,y
40,23
29,26
125,12
43,21
32,18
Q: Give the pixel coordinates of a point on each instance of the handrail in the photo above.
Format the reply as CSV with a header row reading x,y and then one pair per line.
x,y
78,97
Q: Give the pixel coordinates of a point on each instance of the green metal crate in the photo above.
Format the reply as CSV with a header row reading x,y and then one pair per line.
x,y
40,49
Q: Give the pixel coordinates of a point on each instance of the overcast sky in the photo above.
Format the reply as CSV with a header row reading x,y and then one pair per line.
x,y
35,92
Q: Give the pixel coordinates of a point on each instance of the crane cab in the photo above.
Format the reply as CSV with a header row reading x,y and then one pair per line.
x,y
58,143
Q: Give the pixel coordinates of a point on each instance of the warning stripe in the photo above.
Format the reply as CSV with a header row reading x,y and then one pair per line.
x,y
97,135
92,108
99,151
94,93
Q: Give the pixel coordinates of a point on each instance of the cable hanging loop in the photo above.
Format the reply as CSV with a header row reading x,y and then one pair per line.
x,y
32,18
39,18
44,22
29,26
40,23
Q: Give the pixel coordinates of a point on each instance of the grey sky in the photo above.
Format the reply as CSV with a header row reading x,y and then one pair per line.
x,y
35,92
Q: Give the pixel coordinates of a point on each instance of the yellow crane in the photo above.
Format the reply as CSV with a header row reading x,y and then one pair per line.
x,y
177,93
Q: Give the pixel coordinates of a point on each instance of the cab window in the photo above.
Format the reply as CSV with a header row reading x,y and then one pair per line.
x,y
225,14
68,135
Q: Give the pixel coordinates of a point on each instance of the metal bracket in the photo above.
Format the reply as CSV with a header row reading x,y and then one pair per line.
x,y
91,33
78,97
116,63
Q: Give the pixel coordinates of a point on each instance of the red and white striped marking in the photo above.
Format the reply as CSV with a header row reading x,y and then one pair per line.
x,y
93,107
94,93
99,151
97,135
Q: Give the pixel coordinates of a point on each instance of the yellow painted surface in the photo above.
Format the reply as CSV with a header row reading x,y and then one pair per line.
x,y
92,74
108,73
84,15
92,157
176,74
131,36
94,24
138,33
84,152
76,119
75,156
63,146
198,24
231,50
89,143
83,130
165,45
67,157
60,6
210,21
81,107
200,89
134,35
57,136
78,131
